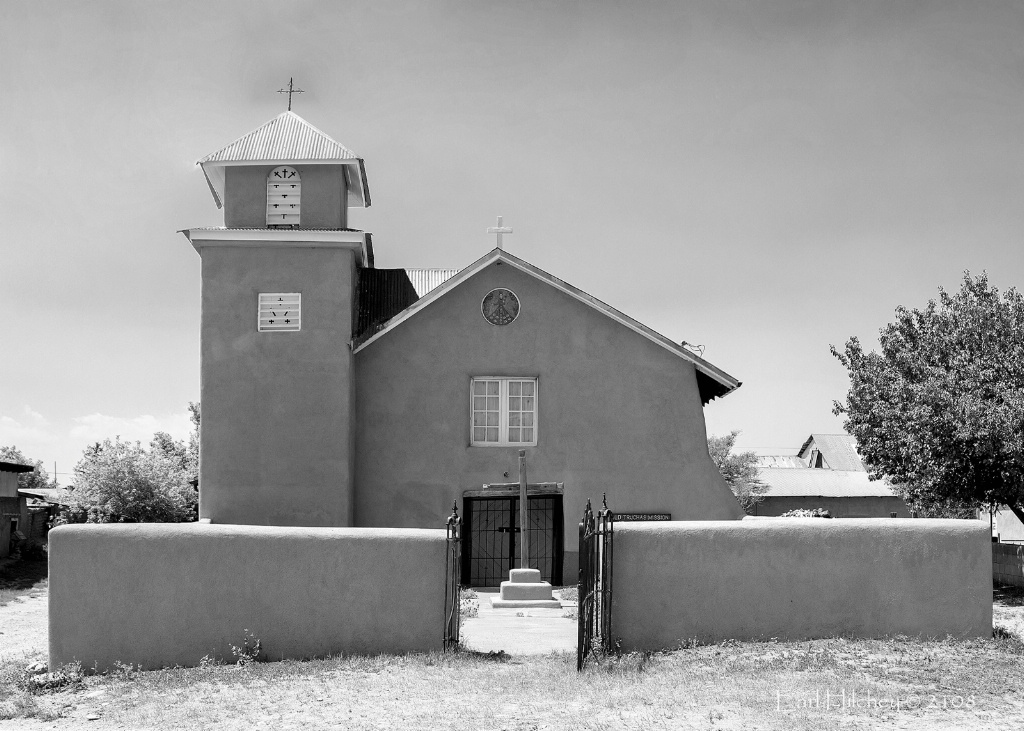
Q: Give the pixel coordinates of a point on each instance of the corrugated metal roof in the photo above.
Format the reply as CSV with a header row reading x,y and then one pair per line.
x,y
424,280
780,461
839,451
285,137
821,483
381,294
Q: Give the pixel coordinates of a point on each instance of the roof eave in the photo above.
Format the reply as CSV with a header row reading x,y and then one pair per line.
x,y
726,383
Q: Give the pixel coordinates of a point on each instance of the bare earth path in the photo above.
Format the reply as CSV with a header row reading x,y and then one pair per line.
x,y
23,627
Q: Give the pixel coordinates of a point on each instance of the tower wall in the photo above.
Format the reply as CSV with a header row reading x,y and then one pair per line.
x,y
277,424
324,196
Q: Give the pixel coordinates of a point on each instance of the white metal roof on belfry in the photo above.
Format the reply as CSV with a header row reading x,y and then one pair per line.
x,y
285,137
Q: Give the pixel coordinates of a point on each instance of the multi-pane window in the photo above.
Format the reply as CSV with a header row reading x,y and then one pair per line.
x,y
284,196
504,411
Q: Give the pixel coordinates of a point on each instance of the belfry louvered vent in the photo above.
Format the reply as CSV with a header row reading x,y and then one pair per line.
x,y
280,312
284,197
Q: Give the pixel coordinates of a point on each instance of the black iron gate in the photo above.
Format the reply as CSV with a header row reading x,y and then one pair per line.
x,y
453,581
492,538
595,588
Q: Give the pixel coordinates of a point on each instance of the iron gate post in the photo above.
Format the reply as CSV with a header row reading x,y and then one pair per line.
x,y
594,593
452,580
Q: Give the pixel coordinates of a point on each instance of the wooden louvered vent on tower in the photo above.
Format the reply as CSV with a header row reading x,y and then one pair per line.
x,y
284,197
280,312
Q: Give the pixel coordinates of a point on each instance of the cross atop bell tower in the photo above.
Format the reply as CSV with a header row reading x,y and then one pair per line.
x,y
289,91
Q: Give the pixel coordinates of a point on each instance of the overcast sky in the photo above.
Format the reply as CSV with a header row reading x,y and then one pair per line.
x,y
763,179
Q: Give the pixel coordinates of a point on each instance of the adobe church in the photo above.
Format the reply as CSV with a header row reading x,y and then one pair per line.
x,y
338,394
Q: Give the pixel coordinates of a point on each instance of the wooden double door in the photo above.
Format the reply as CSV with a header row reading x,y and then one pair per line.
x,y
491,534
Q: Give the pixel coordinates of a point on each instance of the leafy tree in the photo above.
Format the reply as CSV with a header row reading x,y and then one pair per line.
x,y
739,470
939,411
37,479
117,481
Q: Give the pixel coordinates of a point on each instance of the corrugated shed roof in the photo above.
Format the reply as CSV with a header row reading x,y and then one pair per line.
x,y
839,451
821,483
285,137
381,294
780,461
424,280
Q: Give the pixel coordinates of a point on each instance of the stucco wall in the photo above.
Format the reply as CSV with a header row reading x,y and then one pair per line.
x,y
324,196
615,412
799,578
838,507
277,416
159,595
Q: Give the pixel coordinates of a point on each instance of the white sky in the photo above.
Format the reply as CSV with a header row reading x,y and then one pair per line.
x,y
761,178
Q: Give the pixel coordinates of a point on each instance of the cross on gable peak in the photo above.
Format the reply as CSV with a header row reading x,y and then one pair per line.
x,y
499,230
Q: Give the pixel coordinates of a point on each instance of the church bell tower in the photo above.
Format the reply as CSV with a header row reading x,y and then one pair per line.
x,y
278,292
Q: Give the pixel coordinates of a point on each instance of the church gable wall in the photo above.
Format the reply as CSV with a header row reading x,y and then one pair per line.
x,y
323,196
277,406
616,412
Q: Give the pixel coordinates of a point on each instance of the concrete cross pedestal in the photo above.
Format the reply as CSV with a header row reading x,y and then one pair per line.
x,y
524,588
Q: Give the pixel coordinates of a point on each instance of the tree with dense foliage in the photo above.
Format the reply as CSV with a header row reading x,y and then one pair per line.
x,y
37,479
738,469
122,482
939,411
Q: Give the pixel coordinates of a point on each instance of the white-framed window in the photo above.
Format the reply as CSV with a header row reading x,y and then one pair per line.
x,y
503,411
284,196
279,312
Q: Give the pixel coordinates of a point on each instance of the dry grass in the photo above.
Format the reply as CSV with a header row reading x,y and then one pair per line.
x,y
905,683
936,684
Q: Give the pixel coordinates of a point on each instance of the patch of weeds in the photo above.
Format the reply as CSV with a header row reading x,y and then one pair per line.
x,y
249,651
571,613
569,593
627,663
469,604
125,671
68,676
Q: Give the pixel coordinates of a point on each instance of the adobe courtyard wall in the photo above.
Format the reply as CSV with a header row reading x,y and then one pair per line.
x,y
159,595
800,578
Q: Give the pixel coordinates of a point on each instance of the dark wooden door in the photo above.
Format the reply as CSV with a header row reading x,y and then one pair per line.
x,y
491,538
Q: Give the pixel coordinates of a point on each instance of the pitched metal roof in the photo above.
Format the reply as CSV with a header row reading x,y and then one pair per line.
x,y
780,461
839,451
424,280
712,382
821,483
285,137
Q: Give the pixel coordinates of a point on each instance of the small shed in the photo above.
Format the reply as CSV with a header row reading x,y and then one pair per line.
x,y
13,506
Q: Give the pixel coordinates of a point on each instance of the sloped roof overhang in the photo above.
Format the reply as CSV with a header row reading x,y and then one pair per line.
x,y
287,139
712,381
314,238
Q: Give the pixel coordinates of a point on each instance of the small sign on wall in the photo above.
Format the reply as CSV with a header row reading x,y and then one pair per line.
x,y
637,517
